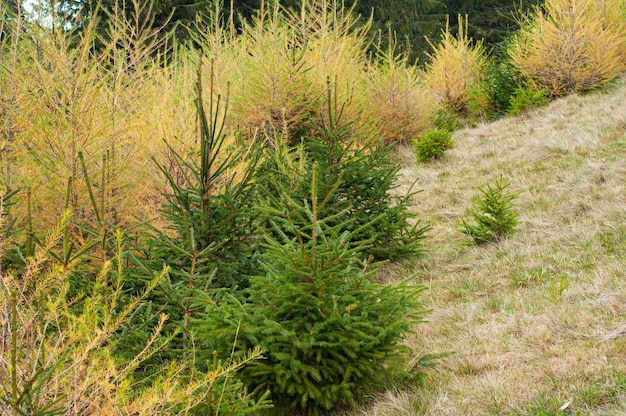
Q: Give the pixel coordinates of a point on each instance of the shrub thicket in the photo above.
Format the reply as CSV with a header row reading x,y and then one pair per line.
x,y
571,45
58,355
212,247
83,134
118,100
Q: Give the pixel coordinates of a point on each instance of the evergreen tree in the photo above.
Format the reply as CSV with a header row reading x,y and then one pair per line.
x,y
359,180
494,216
330,334
210,241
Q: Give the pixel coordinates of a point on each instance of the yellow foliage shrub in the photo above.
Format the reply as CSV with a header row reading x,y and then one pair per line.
x,y
56,358
337,54
284,62
112,105
404,105
455,66
572,45
270,91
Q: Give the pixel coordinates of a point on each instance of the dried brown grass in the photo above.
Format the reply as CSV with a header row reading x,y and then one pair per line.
x,y
536,322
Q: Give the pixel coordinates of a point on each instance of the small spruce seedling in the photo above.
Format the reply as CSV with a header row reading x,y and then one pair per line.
x,y
494,216
433,144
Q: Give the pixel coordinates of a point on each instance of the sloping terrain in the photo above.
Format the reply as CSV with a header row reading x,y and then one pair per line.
x,y
536,325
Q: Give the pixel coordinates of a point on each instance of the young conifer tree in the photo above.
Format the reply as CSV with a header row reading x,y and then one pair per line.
x,y
494,216
329,332
209,241
361,180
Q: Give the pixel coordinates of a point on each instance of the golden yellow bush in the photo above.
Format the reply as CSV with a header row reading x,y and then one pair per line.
x,y
271,93
572,45
284,62
403,104
56,358
455,66
113,105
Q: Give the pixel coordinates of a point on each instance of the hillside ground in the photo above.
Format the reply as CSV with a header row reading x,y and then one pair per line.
x,y
536,324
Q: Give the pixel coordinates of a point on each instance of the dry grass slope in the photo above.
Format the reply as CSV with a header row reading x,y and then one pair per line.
x,y
536,324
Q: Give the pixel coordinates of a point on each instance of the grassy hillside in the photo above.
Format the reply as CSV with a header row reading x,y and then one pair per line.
x,y
535,325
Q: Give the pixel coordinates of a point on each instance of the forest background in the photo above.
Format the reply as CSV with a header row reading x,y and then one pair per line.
x,y
413,21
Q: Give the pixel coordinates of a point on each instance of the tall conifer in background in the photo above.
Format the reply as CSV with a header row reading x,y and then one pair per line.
x,y
209,237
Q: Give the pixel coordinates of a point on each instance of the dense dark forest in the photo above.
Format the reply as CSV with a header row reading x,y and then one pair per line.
x,y
411,20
